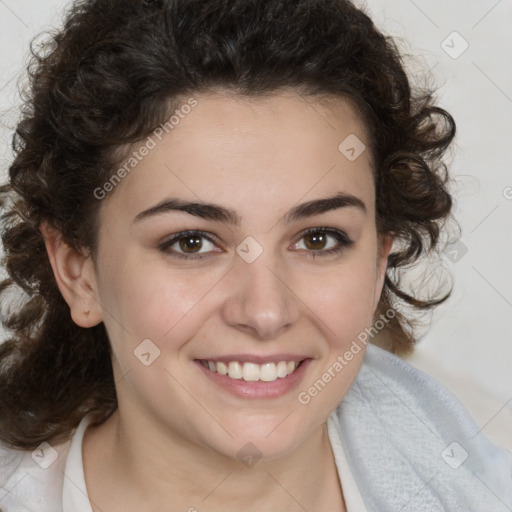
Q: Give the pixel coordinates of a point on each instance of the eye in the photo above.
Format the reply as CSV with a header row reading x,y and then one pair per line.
x,y
323,241
189,245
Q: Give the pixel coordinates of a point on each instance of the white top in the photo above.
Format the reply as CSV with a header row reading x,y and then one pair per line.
x,y
400,442
42,482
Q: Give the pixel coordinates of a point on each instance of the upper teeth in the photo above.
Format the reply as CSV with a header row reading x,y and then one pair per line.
x,y
266,372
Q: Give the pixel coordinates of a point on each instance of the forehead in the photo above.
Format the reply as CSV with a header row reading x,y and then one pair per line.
x,y
252,152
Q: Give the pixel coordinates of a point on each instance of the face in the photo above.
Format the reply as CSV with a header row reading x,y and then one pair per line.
x,y
261,275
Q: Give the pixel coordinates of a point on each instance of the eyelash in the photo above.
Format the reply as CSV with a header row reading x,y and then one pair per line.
x,y
344,242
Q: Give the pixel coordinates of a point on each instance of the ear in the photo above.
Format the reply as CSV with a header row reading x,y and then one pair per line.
x,y
76,278
385,242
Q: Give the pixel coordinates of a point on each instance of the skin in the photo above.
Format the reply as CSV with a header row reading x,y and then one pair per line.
x,y
173,442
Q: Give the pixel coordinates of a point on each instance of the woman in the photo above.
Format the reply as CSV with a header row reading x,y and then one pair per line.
x,y
210,210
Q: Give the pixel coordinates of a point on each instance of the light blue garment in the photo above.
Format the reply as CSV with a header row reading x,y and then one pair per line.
x,y
412,447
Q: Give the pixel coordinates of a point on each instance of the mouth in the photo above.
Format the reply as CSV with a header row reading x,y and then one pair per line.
x,y
255,379
252,372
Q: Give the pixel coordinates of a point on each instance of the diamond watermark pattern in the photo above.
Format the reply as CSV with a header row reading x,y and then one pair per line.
x,y
45,455
455,250
454,45
146,352
44,44
249,250
454,455
352,147
249,455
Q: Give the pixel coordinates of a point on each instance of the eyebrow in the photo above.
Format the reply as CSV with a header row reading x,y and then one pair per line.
x,y
210,211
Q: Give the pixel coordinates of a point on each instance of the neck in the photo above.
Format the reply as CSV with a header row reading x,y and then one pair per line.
x,y
127,467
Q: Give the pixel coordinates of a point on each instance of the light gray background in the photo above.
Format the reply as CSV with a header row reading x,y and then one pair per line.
x,y
468,347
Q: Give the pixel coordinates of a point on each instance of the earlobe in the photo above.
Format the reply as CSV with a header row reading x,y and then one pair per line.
x,y
75,276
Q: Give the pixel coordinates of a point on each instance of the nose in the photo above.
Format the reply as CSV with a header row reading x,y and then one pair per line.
x,y
260,301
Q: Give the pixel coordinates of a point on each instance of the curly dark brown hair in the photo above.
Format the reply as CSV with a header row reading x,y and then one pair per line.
x,y
111,76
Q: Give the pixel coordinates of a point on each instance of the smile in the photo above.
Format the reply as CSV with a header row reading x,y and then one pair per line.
x,y
252,372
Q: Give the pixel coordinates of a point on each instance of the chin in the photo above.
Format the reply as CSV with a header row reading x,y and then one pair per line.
x,y
264,438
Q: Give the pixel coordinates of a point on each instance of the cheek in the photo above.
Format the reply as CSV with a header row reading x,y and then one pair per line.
x,y
151,300
342,298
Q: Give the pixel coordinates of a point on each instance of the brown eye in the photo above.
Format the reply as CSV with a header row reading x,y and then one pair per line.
x,y
190,244
323,241
316,241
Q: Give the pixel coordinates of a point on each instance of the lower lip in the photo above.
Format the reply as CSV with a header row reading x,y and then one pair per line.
x,y
257,389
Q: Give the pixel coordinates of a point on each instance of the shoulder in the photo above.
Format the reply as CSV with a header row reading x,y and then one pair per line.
x,y
409,441
32,480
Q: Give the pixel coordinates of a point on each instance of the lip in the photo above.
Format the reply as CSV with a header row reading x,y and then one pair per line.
x,y
257,390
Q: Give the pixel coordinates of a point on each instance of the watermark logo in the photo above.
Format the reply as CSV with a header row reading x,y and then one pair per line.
x,y
45,455
454,45
146,352
352,147
454,455
305,397
249,455
455,250
44,45
249,250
